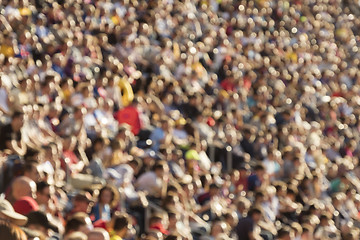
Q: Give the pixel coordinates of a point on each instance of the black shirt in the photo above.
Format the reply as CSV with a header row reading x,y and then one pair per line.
x,y
8,134
244,227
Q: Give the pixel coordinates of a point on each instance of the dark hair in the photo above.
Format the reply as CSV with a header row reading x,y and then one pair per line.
x,y
10,231
158,166
40,186
74,224
214,186
259,167
101,192
98,140
17,114
121,221
283,232
29,166
30,154
254,210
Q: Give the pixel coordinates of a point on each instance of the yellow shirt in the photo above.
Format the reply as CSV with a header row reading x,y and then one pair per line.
x,y
114,236
7,50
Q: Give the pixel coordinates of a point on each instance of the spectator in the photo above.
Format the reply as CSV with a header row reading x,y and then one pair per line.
x,y
79,222
103,208
247,228
7,213
11,231
11,138
121,226
25,205
98,233
39,221
264,95
154,181
22,187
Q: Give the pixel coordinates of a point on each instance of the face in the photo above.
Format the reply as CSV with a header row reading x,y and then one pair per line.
x,y
217,229
81,206
34,174
18,122
160,173
44,196
106,197
256,217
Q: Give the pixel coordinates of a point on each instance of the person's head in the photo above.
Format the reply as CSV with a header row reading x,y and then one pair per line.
x,y
231,218
79,112
121,224
214,189
324,219
98,144
307,232
243,204
159,169
259,170
98,234
259,197
43,193
23,186
165,123
170,201
82,202
285,233
79,222
39,221
10,231
31,171
244,171
217,228
173,219
158,222
106,195
32,155
255,213
17,120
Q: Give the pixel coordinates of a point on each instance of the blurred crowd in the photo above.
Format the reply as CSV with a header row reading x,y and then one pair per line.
x,y
179,119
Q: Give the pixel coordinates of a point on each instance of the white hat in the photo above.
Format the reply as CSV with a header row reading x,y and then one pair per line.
x,y
8,210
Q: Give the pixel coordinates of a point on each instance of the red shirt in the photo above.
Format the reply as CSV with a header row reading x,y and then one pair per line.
x,y
71,156
130,115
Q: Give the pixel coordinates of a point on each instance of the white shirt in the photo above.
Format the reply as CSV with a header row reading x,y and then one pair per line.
x,y
148,182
